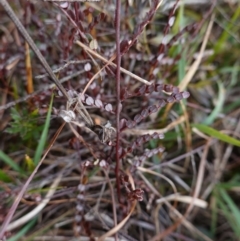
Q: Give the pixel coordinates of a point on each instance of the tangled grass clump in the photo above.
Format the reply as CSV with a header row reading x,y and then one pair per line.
x,y
123,149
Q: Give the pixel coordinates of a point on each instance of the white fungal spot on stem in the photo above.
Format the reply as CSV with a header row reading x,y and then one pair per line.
x,y
159,58
87,67
165,40
171,21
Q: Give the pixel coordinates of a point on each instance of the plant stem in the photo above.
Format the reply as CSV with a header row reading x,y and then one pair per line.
x,y
118,62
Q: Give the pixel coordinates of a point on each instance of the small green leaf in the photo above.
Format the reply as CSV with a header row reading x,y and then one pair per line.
x,y
4,177
26,125
216,134
15,114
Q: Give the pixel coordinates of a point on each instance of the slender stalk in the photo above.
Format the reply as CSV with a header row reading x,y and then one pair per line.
x,y
118,62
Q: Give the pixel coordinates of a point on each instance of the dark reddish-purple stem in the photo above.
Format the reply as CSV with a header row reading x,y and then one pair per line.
x,y
118,62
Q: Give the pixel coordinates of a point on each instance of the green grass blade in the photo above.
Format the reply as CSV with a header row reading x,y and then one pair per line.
x,y
218,108
216,134
227,70
214,217
234,75
230,210
182,61
232,206
43,138
231,106
229,185
228,215
24,230
219,45
10,162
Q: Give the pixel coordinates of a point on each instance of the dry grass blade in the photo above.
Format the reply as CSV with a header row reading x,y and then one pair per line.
x,y
29,70
161,176
109,62
120,225
150,132
38,209
194,67
185,199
